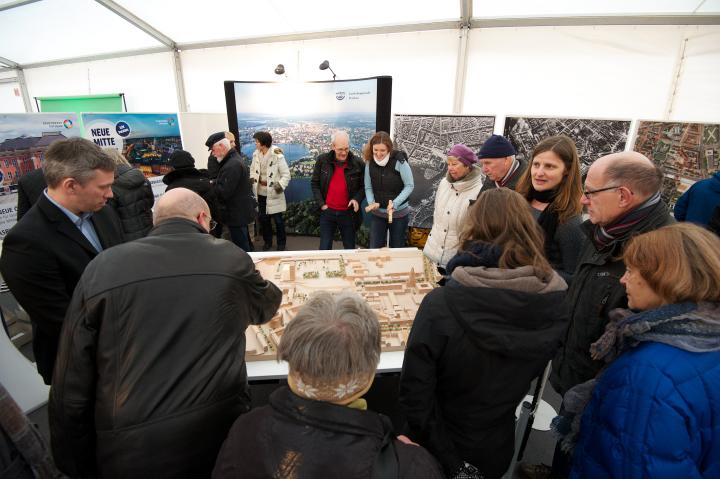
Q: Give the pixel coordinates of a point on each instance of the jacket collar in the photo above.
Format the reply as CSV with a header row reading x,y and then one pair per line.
x,y
469,181
176,226
66,227
328,416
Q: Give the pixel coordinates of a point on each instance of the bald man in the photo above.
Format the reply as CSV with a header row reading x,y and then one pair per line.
x,y
622,199
151,373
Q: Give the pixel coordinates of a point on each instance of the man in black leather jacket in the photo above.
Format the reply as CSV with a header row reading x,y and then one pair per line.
x,y
151,373
338,188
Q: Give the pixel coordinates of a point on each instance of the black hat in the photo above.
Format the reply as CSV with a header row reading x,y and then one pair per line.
x,y
181,159
214,138
496,147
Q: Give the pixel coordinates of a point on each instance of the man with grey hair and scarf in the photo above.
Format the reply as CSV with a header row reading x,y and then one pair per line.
x,y
320,425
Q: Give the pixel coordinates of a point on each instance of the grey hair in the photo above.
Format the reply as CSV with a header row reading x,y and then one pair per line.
x,y
225,142
76,158
332,338
179,203
117,157
337,133
640,174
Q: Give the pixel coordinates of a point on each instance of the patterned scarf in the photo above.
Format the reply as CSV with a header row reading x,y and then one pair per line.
x,y
693,327
511,172
604,235
345,392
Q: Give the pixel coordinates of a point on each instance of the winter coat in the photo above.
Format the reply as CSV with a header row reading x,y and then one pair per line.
x,y
133,200
698,202
452,200
323,172
194,180
150,372
234,193
654,413
594,292
277,172
300,438
460,384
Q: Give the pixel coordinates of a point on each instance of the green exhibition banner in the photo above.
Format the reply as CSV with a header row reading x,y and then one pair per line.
x,y
111,102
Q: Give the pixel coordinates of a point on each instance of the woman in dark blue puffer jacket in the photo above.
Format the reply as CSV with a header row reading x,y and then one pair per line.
x,y
654,412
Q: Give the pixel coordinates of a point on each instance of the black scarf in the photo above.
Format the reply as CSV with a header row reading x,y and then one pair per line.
x,y
549,218
475,253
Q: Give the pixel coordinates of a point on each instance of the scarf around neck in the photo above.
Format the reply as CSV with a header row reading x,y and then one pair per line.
x,y
693,327
604,235
382,162
511,172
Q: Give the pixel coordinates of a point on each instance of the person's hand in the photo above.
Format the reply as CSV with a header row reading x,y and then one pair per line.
x,y
406,440
355,205
390,205
372,207
278,188
324,207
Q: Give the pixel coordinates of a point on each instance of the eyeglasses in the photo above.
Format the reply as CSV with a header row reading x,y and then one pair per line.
x,y
213,224
588,193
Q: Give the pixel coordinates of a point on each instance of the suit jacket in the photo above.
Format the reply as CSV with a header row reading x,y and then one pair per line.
x,y
43,257
30,188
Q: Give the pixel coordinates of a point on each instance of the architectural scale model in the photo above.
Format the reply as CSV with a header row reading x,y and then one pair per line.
x,y
393,282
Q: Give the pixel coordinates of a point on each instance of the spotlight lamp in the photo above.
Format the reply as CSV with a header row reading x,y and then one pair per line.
x,y
326,66
280,69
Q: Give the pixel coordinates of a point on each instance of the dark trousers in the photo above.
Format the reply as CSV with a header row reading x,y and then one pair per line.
x,y
330,220
266,224
241,237
379,229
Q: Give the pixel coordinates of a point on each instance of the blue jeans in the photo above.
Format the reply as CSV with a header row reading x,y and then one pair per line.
x,y
241,237
330,220
266,224
379,229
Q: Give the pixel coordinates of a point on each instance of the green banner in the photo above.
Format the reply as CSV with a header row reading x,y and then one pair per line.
x,y
112,102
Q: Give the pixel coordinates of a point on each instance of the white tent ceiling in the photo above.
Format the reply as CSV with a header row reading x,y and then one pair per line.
x,y
33,33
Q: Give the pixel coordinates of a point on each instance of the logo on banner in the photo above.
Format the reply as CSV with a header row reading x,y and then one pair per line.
x,y
106,134
68,123
122,128
340,95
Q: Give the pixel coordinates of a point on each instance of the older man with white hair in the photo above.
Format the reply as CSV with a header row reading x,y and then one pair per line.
x,y
233,189
338,188
151,371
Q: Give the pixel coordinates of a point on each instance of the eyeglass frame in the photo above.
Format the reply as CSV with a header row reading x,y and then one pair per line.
x,y
588,194
212,223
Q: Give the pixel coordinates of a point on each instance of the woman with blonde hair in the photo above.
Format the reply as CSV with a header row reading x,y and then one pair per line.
x,y
132,199
388,184
464,373
553,188
654,411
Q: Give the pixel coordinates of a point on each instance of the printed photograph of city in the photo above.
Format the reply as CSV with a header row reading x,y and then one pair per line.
x,y
301,118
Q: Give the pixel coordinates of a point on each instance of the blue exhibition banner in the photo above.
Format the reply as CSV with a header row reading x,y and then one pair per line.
x,y
146,139
24,137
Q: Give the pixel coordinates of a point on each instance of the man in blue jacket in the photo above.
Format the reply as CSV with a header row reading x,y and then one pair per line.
x,y
696,205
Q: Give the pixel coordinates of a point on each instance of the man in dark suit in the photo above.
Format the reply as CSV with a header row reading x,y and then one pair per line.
x,y
30,188
45,253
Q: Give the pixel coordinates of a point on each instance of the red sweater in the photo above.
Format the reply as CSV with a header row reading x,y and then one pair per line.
x,y
337,195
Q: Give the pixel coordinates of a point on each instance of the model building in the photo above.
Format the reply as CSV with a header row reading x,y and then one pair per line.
x,y
392,281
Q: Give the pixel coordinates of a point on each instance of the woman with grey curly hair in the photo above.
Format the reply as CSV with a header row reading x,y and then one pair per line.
x,y
320,423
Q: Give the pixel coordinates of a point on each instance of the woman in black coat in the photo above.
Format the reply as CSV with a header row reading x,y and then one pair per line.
x,y
477,343
185,175
132,199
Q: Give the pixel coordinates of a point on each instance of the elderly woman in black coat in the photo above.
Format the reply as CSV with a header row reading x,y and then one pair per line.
x,y
477,343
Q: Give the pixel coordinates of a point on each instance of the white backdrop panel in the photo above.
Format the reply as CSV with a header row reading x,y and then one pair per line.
x,y
146,80
195,129
609,71
698,95
9,103
422,65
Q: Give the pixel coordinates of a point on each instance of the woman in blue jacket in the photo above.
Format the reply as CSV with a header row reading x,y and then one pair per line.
x,y
388,184
654,412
